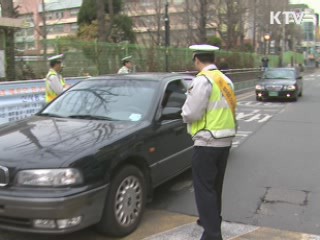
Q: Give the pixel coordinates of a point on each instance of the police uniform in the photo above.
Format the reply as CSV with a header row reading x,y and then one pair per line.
x,y
124,69
55,83
212,126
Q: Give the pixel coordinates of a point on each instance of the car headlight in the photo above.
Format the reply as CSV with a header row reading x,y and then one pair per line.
x,y
49,177
259,87
291,87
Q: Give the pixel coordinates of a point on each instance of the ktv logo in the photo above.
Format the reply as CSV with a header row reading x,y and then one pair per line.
x,y
287,17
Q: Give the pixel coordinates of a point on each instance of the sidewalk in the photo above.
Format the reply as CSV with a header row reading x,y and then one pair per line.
x,y
232,231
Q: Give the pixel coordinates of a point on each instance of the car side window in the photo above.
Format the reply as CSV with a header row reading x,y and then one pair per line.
x,y
174,95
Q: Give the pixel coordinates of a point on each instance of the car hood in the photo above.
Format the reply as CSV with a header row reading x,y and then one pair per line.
x,y
276,82
47,142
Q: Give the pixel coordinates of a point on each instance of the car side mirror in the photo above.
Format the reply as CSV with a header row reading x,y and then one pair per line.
x,y
169,113
300,77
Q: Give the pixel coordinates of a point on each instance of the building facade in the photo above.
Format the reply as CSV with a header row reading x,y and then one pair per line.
x,y
61,17
60,20
149,20
28,37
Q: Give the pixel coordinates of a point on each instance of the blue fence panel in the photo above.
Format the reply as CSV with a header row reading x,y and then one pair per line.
x,y
19,100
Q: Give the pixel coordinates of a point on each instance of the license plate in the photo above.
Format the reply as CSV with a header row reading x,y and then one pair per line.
x,y
273,94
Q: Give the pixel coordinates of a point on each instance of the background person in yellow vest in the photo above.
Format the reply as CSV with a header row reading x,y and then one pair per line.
x,y
212,126
55,84
127,66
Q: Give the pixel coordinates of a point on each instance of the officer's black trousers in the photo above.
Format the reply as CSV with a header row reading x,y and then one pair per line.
x,y
208,168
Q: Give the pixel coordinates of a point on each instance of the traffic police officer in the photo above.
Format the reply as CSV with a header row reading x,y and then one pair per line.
x,y
127,65
209,112
55,84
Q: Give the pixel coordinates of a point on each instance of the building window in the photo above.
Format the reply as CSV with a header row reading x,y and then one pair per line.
x,y
30,32
49,16
74,27
56,29
20,45
30,45
59,15
74,12
19,33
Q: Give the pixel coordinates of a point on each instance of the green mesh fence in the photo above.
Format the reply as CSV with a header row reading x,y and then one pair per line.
x,y
93,58
292,58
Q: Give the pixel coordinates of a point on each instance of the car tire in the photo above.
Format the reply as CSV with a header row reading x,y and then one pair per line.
x,y
125,203
258,99
300,94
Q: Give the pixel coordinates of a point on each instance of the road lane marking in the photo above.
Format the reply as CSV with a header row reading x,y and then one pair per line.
x,y
259,104
245,97
254,115
240,137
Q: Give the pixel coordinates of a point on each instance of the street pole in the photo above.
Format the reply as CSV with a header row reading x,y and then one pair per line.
x,y
254,25
167,34
283,36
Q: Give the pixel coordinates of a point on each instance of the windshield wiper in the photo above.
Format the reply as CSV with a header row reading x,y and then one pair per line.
x,y
93,117
50,115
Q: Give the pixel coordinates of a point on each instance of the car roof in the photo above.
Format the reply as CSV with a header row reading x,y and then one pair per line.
x,y
151,76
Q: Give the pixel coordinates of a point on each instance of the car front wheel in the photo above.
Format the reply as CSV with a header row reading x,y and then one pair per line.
x,y
125,203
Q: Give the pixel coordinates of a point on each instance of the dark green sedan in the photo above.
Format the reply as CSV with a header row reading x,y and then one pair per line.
x,y
279,83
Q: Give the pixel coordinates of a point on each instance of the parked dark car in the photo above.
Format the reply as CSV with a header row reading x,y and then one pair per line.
x,y
285,83
94,155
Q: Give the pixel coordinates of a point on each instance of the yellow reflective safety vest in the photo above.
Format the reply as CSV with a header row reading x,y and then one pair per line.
x,y
219,118
50,94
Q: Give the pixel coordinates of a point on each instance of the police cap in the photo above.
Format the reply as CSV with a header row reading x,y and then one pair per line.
x,y
203,48
200,49
55,59
128,58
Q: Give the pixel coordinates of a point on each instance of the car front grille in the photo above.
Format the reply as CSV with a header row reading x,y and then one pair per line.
x,y
273,87
4,176
17,222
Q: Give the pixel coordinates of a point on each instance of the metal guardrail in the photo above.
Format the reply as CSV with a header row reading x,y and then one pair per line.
x,y
22,99
236,75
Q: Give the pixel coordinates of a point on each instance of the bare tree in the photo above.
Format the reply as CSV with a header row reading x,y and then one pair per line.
x,y
263,21
44,30
158,19
189,25
8,11
203,20
152,24
111,18
199,17
231,21
102,34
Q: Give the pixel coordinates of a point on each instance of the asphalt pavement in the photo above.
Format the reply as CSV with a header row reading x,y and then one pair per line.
x,y
272,178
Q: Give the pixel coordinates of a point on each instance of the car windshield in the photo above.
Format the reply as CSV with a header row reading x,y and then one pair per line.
x,y
279,74
111,100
